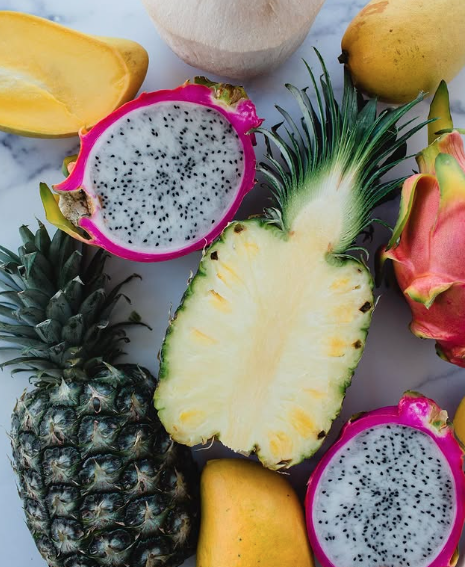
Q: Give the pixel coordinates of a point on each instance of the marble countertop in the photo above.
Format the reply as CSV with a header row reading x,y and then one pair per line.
x,y
394,360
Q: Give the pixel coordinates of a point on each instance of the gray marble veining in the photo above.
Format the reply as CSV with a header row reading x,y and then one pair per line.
x,y
394,359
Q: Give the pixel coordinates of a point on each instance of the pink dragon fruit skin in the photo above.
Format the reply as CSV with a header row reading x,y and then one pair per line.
x,y
239,112
414,411
426,245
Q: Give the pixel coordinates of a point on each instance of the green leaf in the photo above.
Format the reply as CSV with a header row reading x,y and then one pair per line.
x,y
34,298
68,247
95,268
57,244
8,312
135,317
94,336
19,330
56,353
34,277
42,239
115,291
59,308
22,341
72,356
27,248
100,282
26,235
59,332
31,362
54,215
12,257
91,306
11,297
30,315
71,268
73,331
296,132
73,292
439,113
49,331
36,260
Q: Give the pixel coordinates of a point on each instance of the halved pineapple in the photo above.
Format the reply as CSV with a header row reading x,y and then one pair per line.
x,y
265,344
271,328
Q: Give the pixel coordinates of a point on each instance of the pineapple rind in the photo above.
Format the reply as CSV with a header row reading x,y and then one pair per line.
x,y
178,381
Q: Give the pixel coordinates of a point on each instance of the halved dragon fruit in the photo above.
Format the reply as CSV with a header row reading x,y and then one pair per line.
x,y
390,492
162,175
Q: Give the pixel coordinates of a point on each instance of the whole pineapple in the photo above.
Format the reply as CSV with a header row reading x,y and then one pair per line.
x,y
100,479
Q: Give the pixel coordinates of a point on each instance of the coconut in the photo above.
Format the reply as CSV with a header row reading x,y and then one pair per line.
x,y
239,39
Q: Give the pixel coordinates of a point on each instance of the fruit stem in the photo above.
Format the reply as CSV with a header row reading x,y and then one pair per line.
x,y
343,57
440,111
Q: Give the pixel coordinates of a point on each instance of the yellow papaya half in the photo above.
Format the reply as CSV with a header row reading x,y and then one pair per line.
x,y
55,81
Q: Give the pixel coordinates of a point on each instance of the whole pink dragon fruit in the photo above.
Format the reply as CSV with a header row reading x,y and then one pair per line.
x,y
428,240
162,175
390,492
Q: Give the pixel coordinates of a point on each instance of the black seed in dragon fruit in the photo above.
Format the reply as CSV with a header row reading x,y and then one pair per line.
x,y
162,175
390,492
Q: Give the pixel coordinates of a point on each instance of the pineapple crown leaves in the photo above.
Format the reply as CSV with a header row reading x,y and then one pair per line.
x,y
55,308
349,141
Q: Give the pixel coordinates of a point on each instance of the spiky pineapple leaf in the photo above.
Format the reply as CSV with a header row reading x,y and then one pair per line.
x,y
56,308
348,141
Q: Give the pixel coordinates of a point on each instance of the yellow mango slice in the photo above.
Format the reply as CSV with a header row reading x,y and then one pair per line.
x,y
251,517
55,81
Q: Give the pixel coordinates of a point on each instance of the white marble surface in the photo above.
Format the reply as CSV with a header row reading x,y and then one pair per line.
x,y
394,359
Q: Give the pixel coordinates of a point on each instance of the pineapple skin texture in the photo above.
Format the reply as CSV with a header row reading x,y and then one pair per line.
x,y
396,49
264,518
100,479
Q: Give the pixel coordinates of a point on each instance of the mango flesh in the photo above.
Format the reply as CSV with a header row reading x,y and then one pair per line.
x,y
396,48
55,81
251,517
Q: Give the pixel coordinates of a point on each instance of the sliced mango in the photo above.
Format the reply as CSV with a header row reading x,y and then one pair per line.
x,y
55,81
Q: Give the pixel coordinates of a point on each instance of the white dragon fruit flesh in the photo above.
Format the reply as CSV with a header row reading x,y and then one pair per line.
x,y
162,175
390,492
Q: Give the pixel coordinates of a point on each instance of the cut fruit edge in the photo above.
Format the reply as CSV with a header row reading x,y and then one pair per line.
x,y
419,413
129,54
219,291
243,119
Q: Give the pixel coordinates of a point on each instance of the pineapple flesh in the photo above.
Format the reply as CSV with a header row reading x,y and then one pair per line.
x,y
101,481
263,347
273,332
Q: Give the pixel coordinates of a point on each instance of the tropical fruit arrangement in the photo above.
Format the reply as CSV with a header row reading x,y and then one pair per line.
x,y
269,332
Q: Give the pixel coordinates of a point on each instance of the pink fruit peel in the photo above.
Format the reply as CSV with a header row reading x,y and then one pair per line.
x,y
227,101
428,239
413,411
